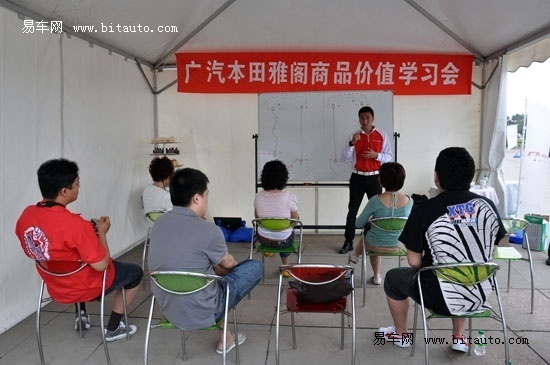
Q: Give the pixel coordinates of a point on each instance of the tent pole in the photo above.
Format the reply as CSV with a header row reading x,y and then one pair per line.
x,y
482,116
194,32
155,106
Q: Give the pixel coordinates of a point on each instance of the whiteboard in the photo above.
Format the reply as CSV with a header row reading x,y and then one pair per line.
x,y
309,131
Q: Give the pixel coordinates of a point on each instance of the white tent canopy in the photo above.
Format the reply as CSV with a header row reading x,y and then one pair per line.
x,y
59,96
487,28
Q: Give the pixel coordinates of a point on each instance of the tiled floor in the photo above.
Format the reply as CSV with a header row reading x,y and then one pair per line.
x,y
318,335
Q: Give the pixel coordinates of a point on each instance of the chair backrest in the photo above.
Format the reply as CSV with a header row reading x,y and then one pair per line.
x,y
182,282
276,223
317,274
389,224
465,274
60,268
514,225
152,216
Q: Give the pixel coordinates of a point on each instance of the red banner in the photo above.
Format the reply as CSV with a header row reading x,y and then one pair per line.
x,y
404,74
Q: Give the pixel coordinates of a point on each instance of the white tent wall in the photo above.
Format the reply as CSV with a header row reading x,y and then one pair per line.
x,y
29,133
215,131
61,98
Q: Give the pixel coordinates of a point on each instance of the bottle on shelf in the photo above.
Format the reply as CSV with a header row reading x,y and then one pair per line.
x,y
480,343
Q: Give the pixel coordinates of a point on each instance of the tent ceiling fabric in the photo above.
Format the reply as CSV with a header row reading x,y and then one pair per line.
x,y
488,26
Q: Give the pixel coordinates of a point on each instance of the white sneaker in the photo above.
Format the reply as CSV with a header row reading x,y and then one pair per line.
x,y
376,280
241,337
400,340
119,333
459,344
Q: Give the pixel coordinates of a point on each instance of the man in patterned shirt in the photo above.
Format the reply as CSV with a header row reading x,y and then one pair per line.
x,y
455,226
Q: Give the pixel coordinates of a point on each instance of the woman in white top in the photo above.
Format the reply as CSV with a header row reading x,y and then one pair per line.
x,y
274,201
156,196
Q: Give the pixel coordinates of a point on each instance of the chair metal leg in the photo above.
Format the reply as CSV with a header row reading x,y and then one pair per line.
x,y
125,314
145,245
79,322
300,245
509,272
414,328
364,273
148,332
226,312
504,327
532,272
144,255
277,323
38,334
263,268
342,330
293,331
353,332
183,345
102,319
424,321
236,331
470,334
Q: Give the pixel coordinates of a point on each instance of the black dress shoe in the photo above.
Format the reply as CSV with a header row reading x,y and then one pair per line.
x,y
347,247
548,261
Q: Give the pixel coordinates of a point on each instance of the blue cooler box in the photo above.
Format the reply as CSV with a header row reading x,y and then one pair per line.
x,y
516,238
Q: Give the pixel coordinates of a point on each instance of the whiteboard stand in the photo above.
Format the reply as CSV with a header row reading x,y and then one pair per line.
x,y
255,138
395,136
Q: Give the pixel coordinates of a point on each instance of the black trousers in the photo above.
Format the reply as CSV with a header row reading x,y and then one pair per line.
x,y
359,185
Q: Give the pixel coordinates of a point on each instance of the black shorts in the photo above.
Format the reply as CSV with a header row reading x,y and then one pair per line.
x,y
127,275
401,283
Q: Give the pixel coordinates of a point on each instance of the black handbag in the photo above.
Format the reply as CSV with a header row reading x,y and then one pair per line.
x,y
324,293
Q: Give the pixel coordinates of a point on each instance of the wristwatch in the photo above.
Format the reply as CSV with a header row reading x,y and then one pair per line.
x,y
350,144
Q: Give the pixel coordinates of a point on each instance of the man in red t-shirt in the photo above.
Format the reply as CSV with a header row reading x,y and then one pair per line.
x,y
49,232
368,148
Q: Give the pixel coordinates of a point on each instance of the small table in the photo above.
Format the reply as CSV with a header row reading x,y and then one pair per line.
x,y
487,191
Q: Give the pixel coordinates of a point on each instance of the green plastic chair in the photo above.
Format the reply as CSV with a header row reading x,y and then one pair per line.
x,y
390,225
65,269
277,224
466,275
510,253
187,283
150,217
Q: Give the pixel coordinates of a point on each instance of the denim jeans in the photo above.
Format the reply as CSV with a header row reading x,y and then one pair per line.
x,y
283,244
241,280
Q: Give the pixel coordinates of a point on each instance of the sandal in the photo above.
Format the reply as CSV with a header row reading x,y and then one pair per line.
x,y
241,336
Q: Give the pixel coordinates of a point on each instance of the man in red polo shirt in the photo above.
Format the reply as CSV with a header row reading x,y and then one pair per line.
x,y
369,148
49,232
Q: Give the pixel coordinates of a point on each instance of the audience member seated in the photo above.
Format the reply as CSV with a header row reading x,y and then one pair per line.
x,y
455,226
182,240
274,201
48,231
155,196
391,203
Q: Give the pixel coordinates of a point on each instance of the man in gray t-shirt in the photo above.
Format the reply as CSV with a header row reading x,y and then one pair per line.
x,y
182,240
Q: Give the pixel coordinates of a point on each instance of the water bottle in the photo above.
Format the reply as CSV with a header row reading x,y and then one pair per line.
x,y
480,343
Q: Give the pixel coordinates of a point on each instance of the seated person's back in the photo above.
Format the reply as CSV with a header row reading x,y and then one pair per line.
x,y
274,201
155,197
391,203
181,240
